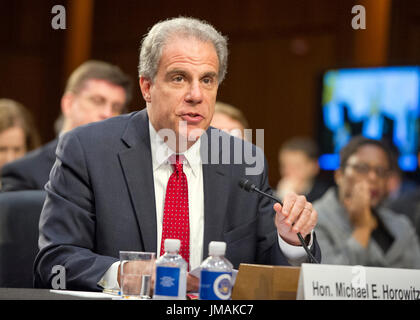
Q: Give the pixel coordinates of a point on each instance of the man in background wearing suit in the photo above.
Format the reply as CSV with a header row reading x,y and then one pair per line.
x,y
95,91
107,188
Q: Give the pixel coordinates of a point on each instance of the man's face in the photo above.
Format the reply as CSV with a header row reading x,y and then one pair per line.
x,y
296,165
184,88
226,123
98,100
12,145
369,164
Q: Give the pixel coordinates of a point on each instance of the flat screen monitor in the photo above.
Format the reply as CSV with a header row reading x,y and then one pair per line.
x,y
379,103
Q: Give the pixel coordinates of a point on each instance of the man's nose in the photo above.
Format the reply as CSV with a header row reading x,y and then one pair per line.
x,y
107,111
194,94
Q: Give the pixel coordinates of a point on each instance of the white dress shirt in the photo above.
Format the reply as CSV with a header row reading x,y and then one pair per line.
x,y
162,170
193,169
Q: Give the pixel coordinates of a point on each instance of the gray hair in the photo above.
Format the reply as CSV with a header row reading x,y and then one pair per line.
x,y
156,38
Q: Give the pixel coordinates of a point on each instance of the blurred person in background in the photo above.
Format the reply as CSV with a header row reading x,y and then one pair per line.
x,y
299,169
408,203
95,91
229,119
354,228
18,134
398,183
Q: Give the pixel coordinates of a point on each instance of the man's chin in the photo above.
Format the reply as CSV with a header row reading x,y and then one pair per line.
x,y
185,140
192,137
194,132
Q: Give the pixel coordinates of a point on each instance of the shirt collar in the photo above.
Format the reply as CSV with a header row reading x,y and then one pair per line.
x,y
161,152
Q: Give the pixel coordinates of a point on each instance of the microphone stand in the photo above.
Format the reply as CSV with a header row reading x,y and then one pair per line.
x,y
248,186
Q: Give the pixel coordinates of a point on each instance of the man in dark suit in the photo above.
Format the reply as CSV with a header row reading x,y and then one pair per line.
x,y
107,188
95,91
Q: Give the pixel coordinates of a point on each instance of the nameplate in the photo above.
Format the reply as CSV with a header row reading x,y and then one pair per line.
x,y
335,282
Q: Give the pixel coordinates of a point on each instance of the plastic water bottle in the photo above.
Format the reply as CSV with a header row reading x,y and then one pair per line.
x,y
171,273
216,274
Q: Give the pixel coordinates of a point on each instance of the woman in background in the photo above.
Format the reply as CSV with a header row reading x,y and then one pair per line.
x,y
18,134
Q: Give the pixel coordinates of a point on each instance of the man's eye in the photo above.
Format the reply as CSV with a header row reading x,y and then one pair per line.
x,y
97,100
208,80
178,78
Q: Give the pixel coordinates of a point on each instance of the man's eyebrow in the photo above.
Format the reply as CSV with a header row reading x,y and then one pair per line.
x,y
183,72
210,74
96,96
176,71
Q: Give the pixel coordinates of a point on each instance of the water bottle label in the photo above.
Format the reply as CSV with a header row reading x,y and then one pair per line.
x,y
167,281
215,285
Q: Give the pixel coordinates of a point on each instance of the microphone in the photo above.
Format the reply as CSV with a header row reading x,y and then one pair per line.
x,y
250,187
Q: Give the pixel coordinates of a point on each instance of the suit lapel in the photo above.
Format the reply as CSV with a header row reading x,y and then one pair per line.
x,y
136,162
216,186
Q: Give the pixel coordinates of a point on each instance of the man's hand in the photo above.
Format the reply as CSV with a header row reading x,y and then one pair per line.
x,y
296,215
192,283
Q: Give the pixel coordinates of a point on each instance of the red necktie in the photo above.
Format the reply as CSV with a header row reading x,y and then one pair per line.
x,y
176,215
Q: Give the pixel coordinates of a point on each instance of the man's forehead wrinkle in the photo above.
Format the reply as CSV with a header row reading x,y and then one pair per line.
x,y
170,49
182,58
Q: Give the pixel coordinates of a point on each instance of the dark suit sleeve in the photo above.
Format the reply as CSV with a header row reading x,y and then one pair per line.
x,y
14,177
67,223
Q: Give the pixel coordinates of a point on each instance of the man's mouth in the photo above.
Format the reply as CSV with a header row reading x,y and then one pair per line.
x,y
192,117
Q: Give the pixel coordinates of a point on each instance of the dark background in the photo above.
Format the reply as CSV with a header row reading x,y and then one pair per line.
x,y
278,50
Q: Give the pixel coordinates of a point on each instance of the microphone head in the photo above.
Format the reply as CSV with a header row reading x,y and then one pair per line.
x,y
246,185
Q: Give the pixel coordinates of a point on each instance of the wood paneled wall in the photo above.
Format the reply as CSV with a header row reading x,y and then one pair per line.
x,y
277,51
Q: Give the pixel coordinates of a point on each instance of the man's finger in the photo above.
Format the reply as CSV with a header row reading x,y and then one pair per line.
x,y
303,218
311,223
288,203
296,210
278,208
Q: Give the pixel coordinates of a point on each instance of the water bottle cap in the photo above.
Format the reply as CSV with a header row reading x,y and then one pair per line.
x,y
217,248
172,244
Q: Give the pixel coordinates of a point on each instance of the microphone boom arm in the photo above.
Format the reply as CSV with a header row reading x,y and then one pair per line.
x,y
250,187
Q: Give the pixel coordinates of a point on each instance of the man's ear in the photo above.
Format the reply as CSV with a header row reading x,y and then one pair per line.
x,y
67,103
145,85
